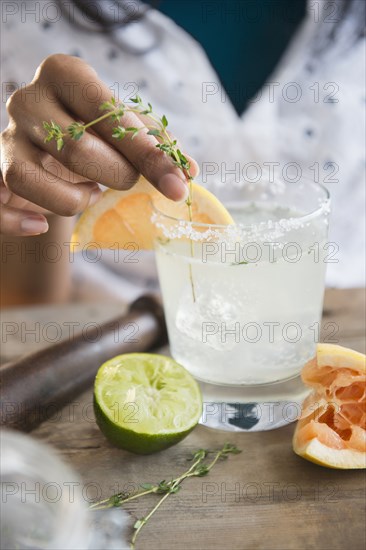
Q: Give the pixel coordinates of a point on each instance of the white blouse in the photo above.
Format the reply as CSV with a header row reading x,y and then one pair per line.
x,y
307,121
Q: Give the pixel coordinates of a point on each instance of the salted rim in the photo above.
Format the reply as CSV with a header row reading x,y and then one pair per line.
x,y
324,205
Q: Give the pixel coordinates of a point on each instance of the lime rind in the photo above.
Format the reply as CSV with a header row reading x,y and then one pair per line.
x,y
135,442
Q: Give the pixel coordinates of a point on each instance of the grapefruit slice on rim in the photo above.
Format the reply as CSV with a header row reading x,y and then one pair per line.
x,y
120,218
332,428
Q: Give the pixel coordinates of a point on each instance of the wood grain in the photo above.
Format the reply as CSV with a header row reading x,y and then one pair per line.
x,y
266,498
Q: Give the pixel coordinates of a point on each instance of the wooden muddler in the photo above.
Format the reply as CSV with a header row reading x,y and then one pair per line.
x,y
36,386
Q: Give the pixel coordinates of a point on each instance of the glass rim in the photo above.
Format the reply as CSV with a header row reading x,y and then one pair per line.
x,y
298,219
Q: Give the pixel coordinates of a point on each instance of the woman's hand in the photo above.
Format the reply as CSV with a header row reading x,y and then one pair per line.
x,y
38,178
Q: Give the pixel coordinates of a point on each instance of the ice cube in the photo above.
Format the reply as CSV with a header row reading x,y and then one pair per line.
x,y
210,320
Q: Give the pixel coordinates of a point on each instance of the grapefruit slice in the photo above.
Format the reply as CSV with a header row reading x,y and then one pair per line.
x,y
120,218
332,427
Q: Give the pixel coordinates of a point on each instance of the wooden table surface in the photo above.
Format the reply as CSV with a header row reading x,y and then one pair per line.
x,y
265,498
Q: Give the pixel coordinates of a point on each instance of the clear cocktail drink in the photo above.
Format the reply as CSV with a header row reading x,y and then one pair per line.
x,y
243,302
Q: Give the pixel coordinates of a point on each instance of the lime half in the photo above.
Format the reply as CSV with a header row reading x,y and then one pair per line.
x,y
145,403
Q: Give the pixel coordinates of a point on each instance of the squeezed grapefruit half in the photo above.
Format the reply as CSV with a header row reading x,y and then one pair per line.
x,y
332,427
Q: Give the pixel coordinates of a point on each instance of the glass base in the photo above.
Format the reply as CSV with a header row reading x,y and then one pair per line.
x,y
252,408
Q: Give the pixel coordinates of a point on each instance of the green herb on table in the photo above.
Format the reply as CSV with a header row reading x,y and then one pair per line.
x,y
200,467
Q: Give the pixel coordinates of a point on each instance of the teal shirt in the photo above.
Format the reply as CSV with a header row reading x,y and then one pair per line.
x,y
244,39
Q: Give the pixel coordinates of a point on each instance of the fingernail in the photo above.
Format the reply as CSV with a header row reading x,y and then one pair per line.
x,y
197,167
194,166
5,195
173,187
34,225
95,196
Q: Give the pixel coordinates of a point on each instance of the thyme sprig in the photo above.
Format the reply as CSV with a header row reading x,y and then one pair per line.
x,y
115,111
199,468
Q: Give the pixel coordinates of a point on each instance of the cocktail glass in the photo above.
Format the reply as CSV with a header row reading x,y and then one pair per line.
x,y
243,302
